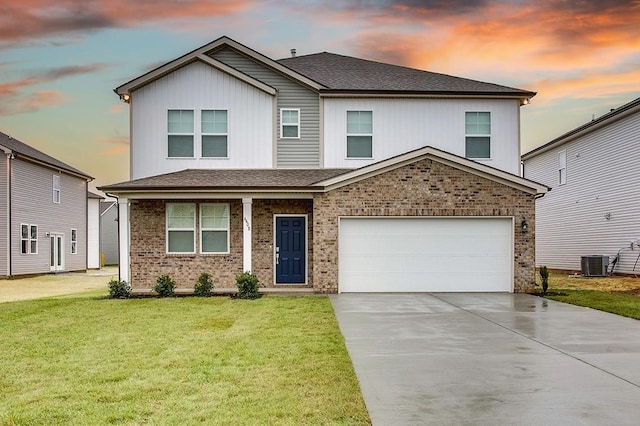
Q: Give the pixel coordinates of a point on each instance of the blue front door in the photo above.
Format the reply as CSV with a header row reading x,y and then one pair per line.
x,y
290,250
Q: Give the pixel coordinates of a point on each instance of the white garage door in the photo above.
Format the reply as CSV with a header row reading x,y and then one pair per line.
x,y
425,254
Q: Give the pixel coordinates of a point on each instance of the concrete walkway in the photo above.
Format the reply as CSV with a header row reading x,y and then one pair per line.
x,y
490,359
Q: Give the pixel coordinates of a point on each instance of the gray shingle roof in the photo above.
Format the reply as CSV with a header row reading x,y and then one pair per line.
x,y
229,179
22,149
346,73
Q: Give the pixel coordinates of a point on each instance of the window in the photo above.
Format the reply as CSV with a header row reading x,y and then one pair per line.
x,y
74,241
214,133
28,239
180,128
214,228
56,189
181,224
359,134
289,123
478,135
562,167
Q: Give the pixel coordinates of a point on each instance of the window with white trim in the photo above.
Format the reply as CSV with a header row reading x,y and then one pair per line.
x,y
74,241
180,126
562,167
28,239
290,123
181,227
56,189
214,133
359,134
214,228
477,135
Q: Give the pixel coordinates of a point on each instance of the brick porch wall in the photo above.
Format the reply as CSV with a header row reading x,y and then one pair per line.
x,y
424,188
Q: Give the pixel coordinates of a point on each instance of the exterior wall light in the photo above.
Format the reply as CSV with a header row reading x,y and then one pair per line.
x,y
125,97
524,225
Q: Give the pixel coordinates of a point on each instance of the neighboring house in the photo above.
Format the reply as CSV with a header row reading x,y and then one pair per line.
x,y
93,230
43,212
109,232
324,172
593,207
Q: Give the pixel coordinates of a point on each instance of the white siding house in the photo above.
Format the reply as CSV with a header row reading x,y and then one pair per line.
x,y
93,230
594,206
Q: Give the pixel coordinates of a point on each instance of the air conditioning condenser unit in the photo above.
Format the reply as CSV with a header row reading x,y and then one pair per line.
x,y
594,265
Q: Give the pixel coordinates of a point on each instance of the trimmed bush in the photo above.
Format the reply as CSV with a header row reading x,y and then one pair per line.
x,y
544,276
165,286
204,285
248,286
119,289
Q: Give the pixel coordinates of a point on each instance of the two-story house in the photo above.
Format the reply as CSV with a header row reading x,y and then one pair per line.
x,y
324,172
43,212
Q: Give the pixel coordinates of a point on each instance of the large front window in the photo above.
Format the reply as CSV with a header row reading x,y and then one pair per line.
x,y
180,128
214,228
359,134
214,133
477,135
181,227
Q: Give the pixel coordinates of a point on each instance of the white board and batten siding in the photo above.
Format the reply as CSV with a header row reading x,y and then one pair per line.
x,y
32,203
417,254
602,180
402,125
303,152
93,233
197,86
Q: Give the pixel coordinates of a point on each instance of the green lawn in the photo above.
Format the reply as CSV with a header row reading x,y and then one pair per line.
x,y
88,360
617,303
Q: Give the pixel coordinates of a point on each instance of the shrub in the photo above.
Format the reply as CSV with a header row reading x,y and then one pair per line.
x,y
204,285
544,276
119,289
248,285
165,286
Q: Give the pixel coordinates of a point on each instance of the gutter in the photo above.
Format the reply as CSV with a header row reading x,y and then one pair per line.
x,y
10,156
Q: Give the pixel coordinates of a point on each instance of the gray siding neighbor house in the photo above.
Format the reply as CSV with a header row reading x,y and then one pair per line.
x,y
109,232
593,208
43,212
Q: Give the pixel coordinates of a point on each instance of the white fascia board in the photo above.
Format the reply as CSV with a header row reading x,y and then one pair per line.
x,y
203,195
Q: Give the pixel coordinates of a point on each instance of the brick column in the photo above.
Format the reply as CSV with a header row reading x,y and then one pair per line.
x,y
246,234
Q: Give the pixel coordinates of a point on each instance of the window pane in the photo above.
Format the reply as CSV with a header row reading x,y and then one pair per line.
x,y
359,122
214,216
74,235
180,146
180,121
34,247
289,131
478,147
214,146
34,232
478,123
214,241
180,216
289,117
214,121
24,231
24,247
359,147
181,241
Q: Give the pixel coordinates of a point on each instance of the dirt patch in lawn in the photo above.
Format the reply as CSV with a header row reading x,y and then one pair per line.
x,y
623,284
55,284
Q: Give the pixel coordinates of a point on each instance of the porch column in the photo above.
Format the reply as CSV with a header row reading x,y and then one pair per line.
x,y
123,239
246,234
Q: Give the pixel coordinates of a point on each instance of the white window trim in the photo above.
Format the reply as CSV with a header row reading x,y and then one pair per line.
x,y
282,124
56,189
202,133
74,241
202,229
193,229
346,142
562,166
29,239
193,133
466,135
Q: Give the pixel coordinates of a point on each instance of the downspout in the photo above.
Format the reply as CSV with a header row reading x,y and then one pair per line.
x,y
118,221
10,157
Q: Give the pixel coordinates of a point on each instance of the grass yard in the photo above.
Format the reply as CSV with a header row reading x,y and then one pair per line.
x,y
89,360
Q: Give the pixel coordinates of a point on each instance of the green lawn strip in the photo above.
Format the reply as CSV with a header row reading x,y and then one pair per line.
x,y
617,303
275,360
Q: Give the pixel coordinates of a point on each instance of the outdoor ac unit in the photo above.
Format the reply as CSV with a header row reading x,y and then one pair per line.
x,y
594,265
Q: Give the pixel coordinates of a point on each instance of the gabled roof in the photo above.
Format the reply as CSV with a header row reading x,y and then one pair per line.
x,y
21,149
614,115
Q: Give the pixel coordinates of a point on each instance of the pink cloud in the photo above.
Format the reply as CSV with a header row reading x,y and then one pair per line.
x,y
116,144
43,98
116,109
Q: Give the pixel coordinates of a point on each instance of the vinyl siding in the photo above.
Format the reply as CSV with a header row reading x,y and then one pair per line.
x,y
298,153
32,203
93,233
109,235
402,125
602,177
195,87
4,261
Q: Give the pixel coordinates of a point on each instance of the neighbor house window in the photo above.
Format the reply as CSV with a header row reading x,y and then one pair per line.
x,y
214,133
181,227
289,123
477,135
180,127
28,239
214,228
56,189
74,241
562,167
359,134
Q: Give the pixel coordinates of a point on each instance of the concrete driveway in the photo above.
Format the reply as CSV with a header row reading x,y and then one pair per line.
x,y
494,359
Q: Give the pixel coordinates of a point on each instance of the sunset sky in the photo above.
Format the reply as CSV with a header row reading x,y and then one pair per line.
x,y
61,60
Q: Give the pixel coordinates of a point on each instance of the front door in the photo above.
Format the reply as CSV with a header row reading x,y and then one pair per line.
x,y
290,249
56,258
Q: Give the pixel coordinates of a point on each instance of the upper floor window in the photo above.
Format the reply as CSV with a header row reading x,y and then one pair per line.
x,y
214,133
477,135
28,239
359,134
214,228
180,129
181,227
289,123
56,189
74,241
562,167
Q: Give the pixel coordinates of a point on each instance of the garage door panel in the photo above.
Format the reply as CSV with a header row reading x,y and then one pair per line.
x,y
425,254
